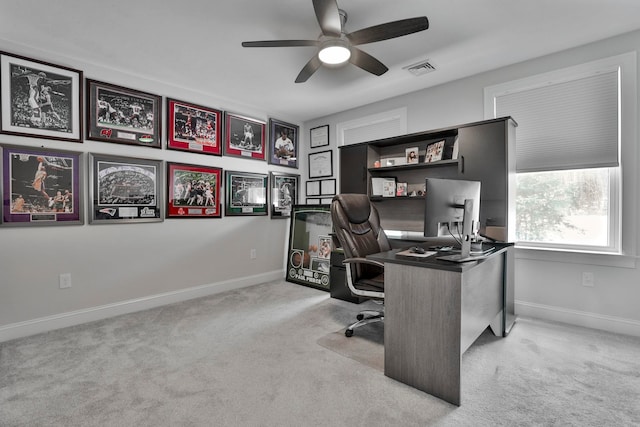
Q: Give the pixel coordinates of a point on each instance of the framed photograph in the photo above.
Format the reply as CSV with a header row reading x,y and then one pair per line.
x,y
121,115
193,191
284,193
383,186
123,189
412,155
41,186
40,99
310,246
283,143
313,188
321,164
326,200
246,193
244,137
313,201
194,128
434,152
328,187
319,136
401,189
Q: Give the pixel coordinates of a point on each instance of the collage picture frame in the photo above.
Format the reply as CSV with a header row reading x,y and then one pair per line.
x,y
41,186
40,99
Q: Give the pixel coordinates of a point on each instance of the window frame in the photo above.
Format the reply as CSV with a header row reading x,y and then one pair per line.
x,y
624,184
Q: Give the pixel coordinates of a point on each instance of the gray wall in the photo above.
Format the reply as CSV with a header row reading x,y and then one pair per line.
x,y
548,284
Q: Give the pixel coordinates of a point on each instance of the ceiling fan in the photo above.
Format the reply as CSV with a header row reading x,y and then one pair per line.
x,y
336,47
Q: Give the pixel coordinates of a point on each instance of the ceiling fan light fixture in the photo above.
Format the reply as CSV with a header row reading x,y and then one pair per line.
x,y
334,52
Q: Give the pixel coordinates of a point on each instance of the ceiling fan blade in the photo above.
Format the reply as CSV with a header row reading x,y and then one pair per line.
x,y
328,17
308,70
389,30
280,43
367,62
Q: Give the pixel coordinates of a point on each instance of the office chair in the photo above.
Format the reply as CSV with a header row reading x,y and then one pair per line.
x,y
356,226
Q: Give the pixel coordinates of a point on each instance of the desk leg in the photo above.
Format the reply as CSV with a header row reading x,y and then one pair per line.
x,y
422,329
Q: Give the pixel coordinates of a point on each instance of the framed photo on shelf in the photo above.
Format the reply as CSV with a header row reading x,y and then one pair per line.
x,y
283,143
412,155
244,137
246,193
434,152
122,115
310,246
41,186
39,99
194,128
319,136
284,193
193,191
124,189
321,164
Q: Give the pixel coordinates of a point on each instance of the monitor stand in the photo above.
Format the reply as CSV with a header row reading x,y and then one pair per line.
x,y
465,245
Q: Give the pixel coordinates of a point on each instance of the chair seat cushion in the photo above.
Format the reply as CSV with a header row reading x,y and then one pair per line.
x,y
373,284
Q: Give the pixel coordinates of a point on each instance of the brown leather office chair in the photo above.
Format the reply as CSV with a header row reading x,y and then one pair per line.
x,y
356,225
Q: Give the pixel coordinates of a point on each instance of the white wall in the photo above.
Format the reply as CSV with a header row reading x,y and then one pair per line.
x,y
116,268
548,285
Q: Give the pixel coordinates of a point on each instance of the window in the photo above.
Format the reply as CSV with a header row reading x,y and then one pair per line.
x,y
568,149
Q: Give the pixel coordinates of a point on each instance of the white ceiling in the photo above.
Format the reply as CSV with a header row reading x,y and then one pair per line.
x,y
197,43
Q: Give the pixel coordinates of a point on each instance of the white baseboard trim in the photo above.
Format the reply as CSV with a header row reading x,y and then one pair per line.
x,y
72,318
586,319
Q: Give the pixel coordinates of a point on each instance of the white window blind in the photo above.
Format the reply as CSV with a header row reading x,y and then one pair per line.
x,y
565,125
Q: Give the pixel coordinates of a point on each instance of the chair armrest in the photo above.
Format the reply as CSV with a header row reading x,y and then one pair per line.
x,y
362,261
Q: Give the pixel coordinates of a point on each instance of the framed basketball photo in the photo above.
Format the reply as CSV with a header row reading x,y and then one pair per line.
x,y
41,186
194,128
40,99
123,189
244,137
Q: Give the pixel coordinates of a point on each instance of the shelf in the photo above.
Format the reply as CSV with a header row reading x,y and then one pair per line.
x,y
397,198
385,169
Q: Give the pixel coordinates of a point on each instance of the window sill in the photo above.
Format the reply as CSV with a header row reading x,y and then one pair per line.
x,y
576,257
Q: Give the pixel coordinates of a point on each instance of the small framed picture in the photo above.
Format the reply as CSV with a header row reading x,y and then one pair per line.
x,y
123,189
321,164
121,115
434,152
401,189
283,143
40,99
41,186
319,136
244,137
313,188
284,194
246,193
328,187
412,155
193,191
194,128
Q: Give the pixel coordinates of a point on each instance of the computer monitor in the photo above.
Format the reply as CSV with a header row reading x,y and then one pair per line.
x,y
452,208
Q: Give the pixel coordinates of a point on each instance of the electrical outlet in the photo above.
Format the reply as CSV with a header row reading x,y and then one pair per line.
x,y
588,279
65,280
253,254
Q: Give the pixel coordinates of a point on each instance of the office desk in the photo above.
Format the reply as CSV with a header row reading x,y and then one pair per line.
x,y
434,310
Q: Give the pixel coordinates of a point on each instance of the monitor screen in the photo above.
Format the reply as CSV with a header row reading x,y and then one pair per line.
x,y
444,207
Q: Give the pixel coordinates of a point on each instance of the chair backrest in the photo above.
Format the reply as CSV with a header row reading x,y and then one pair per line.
x,y
356,225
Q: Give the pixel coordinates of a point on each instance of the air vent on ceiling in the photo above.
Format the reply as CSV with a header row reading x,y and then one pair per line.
x,y
420,68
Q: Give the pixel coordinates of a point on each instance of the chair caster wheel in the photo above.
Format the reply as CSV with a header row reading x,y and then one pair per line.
x,y
348,333
360,316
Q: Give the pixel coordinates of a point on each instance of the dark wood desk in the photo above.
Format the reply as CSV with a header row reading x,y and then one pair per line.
x,y
435,310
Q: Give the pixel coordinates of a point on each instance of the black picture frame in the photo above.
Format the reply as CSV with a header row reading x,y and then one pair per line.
x,y
310,246
122,115
41,186
246,194
319,136
125,189
40,99
321,164
284,193
283,143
